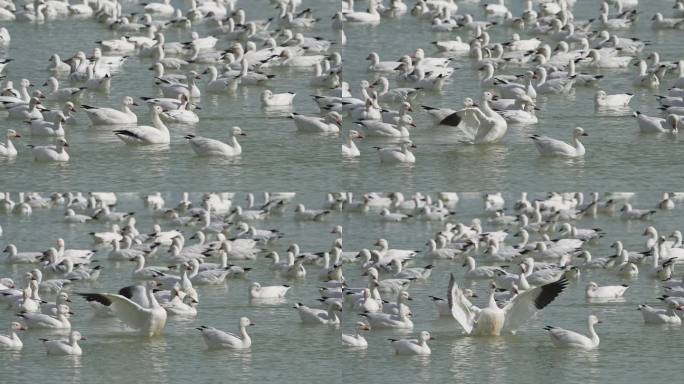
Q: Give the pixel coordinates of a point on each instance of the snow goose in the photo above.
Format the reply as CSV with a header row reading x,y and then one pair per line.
x,y
356,340
136,306
270,99
400,320
371,16
563,338
473,272
629,213
65,347
397,155
7,148
394,95
492,320
652,124
552,147
552,86
16,257
49,128
594,59
373,128
667,315
289,59
256,291
304,214
57,65
330,123
42,321
146,135
26,111
175,90
210,147
593,291
392,217
349,149
55,93
217,339
413,346
602,99
660,22
51,153
420,273
11,340
310,315
645,78
381,66
482,125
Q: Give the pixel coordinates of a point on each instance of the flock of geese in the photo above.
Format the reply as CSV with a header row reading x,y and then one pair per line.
x,y
547,49
532,249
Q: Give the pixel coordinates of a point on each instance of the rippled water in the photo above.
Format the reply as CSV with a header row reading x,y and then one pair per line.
x,y
276,157
285,351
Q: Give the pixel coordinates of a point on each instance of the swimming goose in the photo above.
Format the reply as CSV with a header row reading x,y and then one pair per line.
x,y
146,135
413,346
217,339
136,306
210,147
49,128
371,16
307,214
11,340
356,340
7,148
401,154
602,99
629,213
394,95
667,315
51,153
593,291
645,78
65,347
373,128
492,320
55,93
649,124
25,111
552,147
349,149
57,65
482,125
42,321
256,291
381,66
330,123
310,315
175,90
270,99
563,338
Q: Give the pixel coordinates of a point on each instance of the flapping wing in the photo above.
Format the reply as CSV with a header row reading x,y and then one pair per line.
x,y
137,294
526,304
460,306
127,311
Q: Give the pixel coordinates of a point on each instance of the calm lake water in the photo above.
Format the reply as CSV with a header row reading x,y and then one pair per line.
x,y
285,351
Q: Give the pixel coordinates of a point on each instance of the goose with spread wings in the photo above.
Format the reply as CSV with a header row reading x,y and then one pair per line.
x,y
492,320
136,306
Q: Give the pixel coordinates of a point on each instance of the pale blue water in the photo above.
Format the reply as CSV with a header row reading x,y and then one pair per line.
x,y
276,157
285,351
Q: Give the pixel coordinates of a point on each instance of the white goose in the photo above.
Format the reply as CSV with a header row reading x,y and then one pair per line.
x,y
396,155
602,99
217,339
319,316
144,134
65,347
11,340
256,291
49,128
110,116
356,340
492,320
413,346
51,153
7,148
649,124
55,93
563,338
552,147
136,306
270,99
374,128
349,149
330,123
210,147
605,292
42,321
